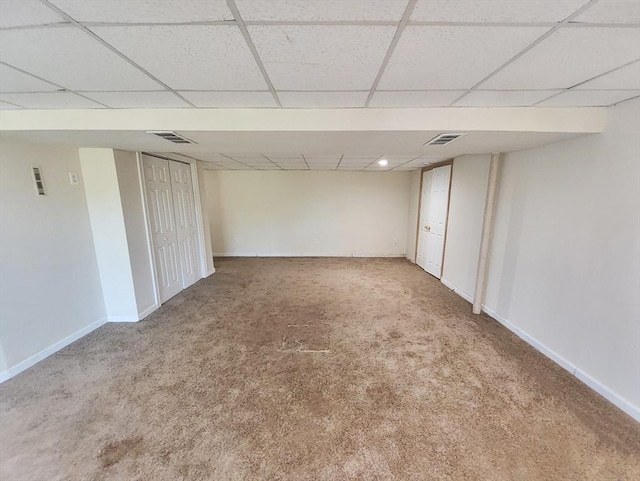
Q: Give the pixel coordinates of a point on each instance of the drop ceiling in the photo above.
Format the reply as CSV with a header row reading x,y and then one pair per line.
x,y
118,54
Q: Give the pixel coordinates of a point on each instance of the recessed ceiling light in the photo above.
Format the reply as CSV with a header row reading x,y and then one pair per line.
x,y
383,162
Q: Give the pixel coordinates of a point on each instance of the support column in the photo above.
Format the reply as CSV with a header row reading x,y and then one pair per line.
x,y
487,231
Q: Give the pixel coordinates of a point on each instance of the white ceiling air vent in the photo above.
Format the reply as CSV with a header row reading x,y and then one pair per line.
x,y
38,181
444,139
171,136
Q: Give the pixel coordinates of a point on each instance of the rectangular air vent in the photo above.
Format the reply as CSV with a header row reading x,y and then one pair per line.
x,y
171,136
444,139
38,181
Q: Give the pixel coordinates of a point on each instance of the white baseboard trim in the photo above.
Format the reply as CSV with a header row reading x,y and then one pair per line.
x,y
298,254
604,391
122,318
36,358
146,312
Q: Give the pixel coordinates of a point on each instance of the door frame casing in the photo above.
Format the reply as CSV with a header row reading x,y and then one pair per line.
x,y
446,225
199,220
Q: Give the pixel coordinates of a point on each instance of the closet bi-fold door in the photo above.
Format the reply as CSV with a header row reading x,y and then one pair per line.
x,y
164,235
186,223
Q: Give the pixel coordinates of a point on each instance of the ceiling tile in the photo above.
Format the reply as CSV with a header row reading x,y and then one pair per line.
x,y
322,57
12,80
424,98
350,167
138,100
612,11
589,98
498,11
321,10
196,57
624,78
50,100
251,160
219,99
6,106
322,160
294,166
21,13
145,11
322,99
323,166
504,98
439,58
567,57
70,58
267,166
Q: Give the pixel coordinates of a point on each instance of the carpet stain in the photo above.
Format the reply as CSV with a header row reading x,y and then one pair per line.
x,y
413,387
113,452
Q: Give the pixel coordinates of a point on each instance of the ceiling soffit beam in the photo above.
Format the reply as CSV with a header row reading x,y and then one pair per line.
x,y
512,119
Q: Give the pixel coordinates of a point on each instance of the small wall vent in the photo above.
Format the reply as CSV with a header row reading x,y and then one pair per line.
x,y
171,136
444,139
38,181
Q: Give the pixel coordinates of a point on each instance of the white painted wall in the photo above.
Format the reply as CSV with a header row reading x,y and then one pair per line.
x,y
564,266
412,219
294,213
466,209
49,280
109,233
132,202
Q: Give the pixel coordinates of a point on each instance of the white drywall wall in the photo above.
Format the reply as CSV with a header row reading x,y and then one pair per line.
x,y
136,230
297,213
49,281
464,228
564,267
109,233
565,262
412,219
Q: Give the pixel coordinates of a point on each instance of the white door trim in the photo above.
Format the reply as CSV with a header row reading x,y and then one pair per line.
x,y
422,171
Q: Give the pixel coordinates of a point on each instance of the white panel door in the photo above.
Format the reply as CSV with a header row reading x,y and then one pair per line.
x,y
433,219
157,179
186,223
421,254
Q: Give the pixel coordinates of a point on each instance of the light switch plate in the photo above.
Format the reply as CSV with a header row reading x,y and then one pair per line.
x,y
73,178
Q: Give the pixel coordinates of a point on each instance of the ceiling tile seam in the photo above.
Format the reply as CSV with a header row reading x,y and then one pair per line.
x,y
195,158
272,161
321,23
373,162
625,100
62,87
585,81
247,38
405,163
11,103
231,158
107,45
38,26
406,16
528,48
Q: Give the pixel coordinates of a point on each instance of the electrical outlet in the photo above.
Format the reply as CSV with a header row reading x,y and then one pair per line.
x,y
73,178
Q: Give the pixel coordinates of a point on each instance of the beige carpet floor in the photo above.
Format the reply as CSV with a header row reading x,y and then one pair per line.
x,y
309,369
